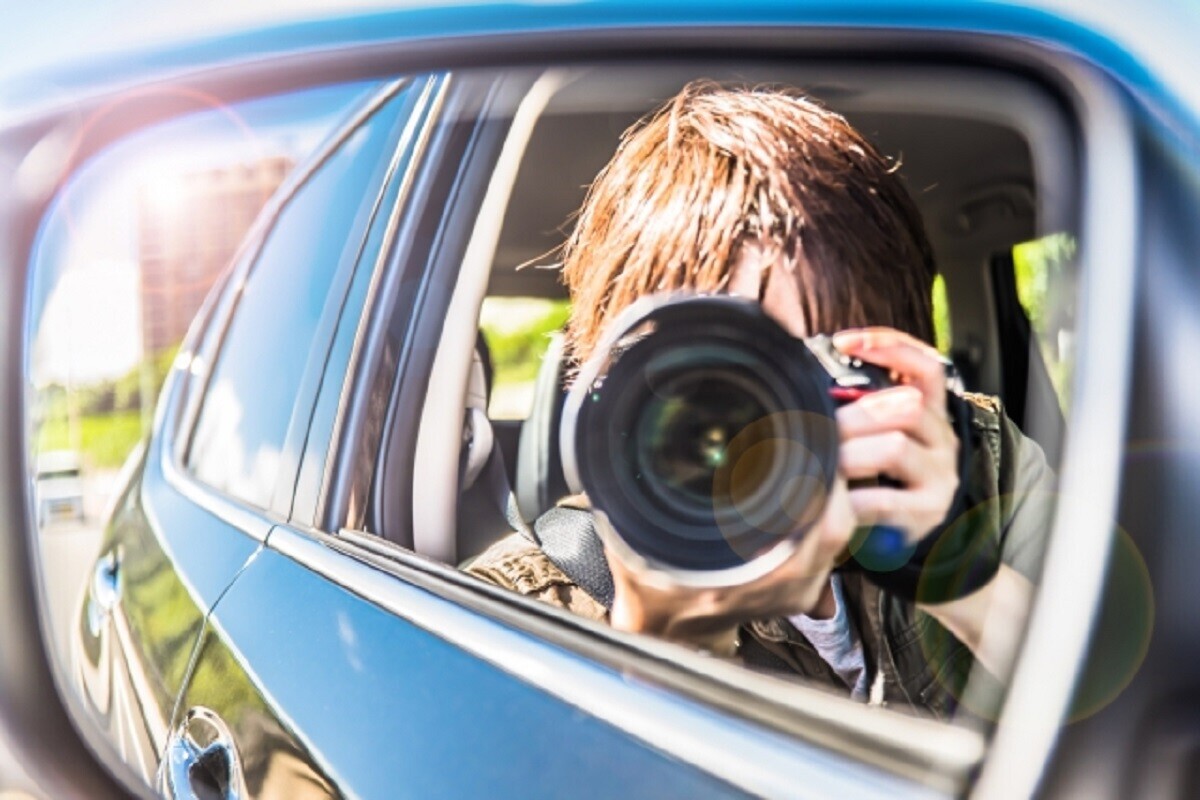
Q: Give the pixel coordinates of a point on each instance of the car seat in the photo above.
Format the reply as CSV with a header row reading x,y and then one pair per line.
x,y
486,508
540,481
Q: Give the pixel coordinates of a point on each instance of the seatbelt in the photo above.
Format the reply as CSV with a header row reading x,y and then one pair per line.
x,y
568,538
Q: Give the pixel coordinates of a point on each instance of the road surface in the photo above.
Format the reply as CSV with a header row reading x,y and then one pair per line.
x,y
68,550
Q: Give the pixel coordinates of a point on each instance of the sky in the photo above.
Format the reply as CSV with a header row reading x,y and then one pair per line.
x,y
86,300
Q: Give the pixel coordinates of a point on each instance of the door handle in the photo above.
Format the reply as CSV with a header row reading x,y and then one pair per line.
x,y
104,590
201,761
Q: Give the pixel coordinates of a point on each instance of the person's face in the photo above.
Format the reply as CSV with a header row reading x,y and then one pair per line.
x,y
781,300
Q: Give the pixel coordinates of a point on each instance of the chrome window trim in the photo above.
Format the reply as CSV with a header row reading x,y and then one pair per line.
x,y
1072,582
676,701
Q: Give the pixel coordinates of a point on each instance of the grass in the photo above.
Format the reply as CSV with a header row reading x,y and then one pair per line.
x,y
105,440
518,332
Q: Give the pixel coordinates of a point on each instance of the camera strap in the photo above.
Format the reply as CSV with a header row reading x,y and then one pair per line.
x,y
569,539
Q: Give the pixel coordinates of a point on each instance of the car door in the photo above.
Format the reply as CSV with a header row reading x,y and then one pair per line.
x,y
238,454
292,696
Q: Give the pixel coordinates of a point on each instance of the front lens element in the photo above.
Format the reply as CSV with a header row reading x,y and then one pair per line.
x,y
685,433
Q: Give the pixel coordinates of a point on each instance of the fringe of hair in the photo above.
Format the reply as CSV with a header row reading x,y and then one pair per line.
x,y
715,168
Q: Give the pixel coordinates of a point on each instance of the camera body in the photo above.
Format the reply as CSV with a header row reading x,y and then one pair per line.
x,y
705,435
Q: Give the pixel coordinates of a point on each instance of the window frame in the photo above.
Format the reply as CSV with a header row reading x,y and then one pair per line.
x,y
396,197
392,359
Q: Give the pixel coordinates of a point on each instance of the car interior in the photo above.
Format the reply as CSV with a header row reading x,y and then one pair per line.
x,y
985,156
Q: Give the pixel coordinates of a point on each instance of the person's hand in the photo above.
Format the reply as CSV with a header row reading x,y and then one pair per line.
x,y
903,433
708,618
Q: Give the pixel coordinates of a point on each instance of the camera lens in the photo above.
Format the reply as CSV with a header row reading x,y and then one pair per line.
x,y
707,435
686,432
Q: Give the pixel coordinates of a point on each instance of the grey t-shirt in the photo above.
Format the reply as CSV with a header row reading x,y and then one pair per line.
x,y
837,642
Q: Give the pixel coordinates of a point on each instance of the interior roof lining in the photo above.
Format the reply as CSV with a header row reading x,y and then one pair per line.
x,y
958,132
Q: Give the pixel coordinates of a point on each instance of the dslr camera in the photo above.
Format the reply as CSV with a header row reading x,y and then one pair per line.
x,y
705,435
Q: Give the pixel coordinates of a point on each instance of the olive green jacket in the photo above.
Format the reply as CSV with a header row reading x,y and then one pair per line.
x,y
913,661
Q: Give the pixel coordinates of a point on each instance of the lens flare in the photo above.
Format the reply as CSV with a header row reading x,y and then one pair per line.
x,y
1119,642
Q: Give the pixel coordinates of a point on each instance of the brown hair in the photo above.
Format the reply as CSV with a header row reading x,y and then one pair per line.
x,y
715,168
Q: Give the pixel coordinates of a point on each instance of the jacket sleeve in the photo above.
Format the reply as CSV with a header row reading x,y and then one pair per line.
x,y
1028,493
1016,485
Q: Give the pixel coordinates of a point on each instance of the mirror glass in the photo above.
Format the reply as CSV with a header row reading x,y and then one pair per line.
x,y
142,233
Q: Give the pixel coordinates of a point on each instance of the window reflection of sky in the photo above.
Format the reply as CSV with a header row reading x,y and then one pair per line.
x,y
272,347
84,311
250,475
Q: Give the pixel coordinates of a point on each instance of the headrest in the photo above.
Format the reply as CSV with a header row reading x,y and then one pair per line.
x,y
540,481
477,430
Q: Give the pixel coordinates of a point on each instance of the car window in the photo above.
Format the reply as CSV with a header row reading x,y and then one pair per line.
x,y
296,280
979,180
517,331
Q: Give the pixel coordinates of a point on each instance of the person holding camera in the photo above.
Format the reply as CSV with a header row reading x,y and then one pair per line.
x,y
824,507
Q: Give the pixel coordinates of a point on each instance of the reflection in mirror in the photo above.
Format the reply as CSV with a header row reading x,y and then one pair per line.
x,y
130,248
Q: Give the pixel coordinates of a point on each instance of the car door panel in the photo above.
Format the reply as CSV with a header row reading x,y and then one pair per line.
x,y
167,554
332,671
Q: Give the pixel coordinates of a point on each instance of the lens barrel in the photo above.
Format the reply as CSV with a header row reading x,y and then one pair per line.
x,y
703,431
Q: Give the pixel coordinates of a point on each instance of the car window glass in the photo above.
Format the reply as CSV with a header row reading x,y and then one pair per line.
x,y
1044,270
251,396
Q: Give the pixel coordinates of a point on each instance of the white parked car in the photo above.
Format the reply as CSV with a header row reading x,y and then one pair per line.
x,y
59,486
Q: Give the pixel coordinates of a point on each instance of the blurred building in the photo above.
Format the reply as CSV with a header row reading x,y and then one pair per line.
x,y
188,230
